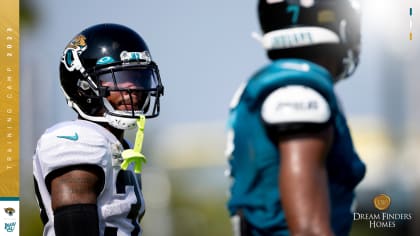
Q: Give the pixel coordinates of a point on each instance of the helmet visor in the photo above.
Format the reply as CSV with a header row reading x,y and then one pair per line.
x,y
130,91
142,79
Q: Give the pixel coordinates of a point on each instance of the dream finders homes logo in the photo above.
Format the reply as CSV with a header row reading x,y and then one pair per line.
x,y
382,219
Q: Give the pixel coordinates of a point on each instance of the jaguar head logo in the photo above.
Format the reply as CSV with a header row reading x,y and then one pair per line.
x,y
78,42
10,211
70,57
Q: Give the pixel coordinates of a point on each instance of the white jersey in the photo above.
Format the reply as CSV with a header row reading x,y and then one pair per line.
x,y
120,203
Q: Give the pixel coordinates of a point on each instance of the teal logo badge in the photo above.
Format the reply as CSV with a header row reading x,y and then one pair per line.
x,y
75,137
105,60
9,227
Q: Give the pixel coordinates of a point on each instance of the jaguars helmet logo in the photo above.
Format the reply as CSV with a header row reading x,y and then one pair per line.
x,y
10,211
70,57
78,42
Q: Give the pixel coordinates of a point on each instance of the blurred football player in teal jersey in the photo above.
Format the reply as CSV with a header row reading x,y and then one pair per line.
x,y
291,156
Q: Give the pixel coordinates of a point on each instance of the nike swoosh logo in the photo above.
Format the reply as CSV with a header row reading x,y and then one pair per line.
x,y
75,137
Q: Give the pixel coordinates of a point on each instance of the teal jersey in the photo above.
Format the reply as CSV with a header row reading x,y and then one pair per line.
x,y
254,159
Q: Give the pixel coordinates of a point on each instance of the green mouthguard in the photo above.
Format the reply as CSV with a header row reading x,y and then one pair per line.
x,y
134,155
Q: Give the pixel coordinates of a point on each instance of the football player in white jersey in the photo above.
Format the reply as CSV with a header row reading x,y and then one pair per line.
x,y
85,184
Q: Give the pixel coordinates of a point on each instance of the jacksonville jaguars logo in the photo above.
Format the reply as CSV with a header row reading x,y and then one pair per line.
x,y
70,57
10,211
78,42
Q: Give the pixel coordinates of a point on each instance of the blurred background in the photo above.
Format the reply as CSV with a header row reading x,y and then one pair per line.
x,y
204,50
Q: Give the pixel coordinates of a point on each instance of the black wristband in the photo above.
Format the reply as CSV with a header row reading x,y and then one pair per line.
x,y
76,220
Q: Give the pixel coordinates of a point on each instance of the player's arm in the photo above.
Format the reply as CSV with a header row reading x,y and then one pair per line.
x,y
297,119
303,182
74,191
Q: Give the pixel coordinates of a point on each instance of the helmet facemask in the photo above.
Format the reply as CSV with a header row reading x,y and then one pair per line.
x,y
119,93
127,92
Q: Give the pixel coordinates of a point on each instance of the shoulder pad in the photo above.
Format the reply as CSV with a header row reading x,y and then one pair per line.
x,y
75,143
295,104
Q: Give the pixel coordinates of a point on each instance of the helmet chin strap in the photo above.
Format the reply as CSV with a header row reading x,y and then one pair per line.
x,y
120,122
115,121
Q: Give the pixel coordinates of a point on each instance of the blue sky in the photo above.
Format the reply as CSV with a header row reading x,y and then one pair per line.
x,y
204,50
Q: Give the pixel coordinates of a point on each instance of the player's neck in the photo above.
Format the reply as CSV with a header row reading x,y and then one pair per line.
x,y
118,133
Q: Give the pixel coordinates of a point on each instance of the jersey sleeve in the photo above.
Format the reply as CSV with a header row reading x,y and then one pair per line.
x,y
295,109
71,145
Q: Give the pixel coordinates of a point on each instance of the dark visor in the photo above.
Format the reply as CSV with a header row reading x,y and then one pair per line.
x,y
139,78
